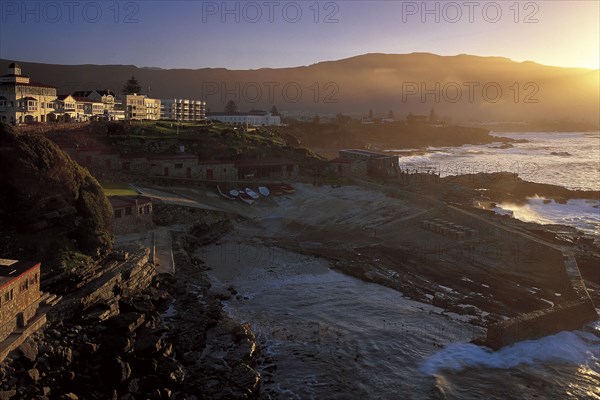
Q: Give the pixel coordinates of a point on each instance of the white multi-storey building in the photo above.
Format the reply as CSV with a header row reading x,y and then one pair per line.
x,y
24,101
183,109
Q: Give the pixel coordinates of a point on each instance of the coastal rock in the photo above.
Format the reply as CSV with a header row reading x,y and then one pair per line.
x,y
29,350
116,370
149,341
7,394
33,374
172,369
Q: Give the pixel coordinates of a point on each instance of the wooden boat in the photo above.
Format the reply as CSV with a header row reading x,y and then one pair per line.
x,y
246,198
275,189
234,193
287,188
252,193
224,194
263,190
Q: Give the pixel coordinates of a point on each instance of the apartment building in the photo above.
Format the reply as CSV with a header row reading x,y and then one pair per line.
x,y
183,109
139,107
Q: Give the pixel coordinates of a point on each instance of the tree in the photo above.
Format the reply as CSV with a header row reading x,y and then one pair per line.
x,y
275,112
231,107
132,86
432,116
342,119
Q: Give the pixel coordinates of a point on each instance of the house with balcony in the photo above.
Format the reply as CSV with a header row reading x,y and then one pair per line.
x,y
140,107
23,100
66,108
112,106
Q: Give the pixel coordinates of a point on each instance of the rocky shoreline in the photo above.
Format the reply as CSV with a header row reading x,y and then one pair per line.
x,y
166,339
167,336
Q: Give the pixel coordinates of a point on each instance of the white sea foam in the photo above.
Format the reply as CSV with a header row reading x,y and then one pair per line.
x,y
582,214
577,348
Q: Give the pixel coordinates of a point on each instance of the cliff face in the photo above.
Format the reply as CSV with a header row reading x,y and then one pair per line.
x,y
48,203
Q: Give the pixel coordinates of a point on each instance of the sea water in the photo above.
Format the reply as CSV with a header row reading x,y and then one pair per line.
x,y
570,160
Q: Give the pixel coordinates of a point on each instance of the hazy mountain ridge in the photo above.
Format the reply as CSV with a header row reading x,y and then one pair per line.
x,y
463,86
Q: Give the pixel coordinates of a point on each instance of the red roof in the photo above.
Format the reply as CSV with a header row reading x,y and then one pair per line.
x,y
128,201
173,157
9,273
214,162
264,162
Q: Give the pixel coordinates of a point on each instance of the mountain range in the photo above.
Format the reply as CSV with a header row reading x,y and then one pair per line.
x,y
464,87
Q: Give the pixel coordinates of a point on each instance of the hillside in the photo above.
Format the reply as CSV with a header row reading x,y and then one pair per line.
x,y
49,205
468,88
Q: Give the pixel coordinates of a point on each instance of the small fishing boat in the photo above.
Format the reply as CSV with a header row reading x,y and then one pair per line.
x,y
224,194
252,193
246,198
287,188
263,190
275,189
234,193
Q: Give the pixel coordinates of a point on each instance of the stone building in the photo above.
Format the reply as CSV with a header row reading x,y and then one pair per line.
x,y
216,170
267,169
349,167
131,214
19,294
173,165
378,164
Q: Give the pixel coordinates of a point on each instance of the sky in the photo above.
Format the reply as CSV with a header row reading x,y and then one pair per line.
x,y
256,34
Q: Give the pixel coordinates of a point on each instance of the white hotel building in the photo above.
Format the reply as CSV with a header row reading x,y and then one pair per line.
x,y
183,109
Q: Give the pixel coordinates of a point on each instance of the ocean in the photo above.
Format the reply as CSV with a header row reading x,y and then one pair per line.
x,y
332,336
570,160
327,335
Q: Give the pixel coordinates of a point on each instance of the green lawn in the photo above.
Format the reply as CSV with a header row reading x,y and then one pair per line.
x,y
118,189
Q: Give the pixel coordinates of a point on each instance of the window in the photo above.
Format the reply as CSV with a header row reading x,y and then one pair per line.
x,y
178,165
128,211
146,209
8,296
24,285
117,213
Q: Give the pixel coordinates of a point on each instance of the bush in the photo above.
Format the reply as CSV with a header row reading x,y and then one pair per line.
x,y
38,179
